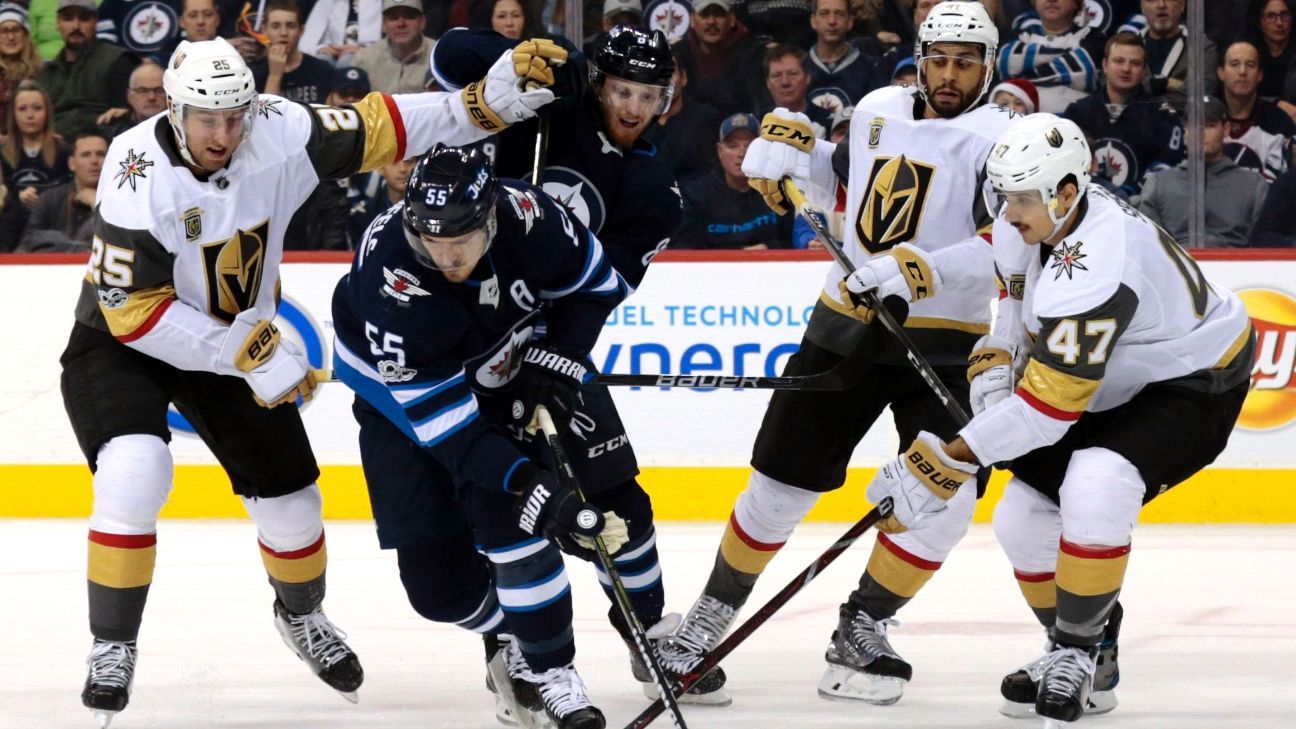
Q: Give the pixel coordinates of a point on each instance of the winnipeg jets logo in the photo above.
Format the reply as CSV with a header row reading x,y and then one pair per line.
x,y
267,106
578,194
148,25
670,17
499,368
132,167
1066,258
526,206
401,285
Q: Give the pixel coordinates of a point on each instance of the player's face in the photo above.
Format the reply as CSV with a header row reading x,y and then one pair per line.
x,y
1026,212
456,257
952,73
628,108
30,113
1125,67
213,135
199,20
507,19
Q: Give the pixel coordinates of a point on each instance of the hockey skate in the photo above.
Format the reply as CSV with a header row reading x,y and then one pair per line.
x,y
517,702
319,644
681,651
1021,687
1065,685
862,665
707,691
111,672
565,702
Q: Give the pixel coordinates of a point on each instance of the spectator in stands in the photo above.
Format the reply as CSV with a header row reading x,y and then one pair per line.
x,y
1257,135
719,58
378,191
513,19
1269,28
1234,196
286,71
31,160
89,76
144,28
682,134
721,210
62,220
1017,94
1166,39
615,12
838,71
1132,135
1106,16
398,63
905,72
336,29
779,21
787,80
1275,225
200,20
19,58
145,96
1055,50
42,18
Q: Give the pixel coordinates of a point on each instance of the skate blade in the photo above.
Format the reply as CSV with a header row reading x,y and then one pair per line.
x,y
840,683
351,696
1054,724
1101,702
716,698
103,718
1016,710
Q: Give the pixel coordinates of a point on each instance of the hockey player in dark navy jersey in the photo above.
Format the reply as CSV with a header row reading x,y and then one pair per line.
x,y
437,333
600,169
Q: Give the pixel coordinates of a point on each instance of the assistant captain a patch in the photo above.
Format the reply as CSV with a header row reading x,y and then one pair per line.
x,y
1066,259
401,285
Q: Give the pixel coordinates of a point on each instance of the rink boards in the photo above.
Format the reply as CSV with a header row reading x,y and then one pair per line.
x,y
706,314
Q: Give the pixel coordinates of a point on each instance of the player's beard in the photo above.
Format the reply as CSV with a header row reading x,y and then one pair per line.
x,y
946,110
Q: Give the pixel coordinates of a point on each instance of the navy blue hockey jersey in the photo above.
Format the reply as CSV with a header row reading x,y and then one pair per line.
x,y
436,357
1142,136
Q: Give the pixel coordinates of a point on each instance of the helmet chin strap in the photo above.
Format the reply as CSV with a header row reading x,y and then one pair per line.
x,y
1059,222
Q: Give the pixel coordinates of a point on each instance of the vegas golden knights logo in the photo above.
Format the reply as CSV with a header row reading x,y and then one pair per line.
x,y
233,269
192,224
1053,137
894,199
875,131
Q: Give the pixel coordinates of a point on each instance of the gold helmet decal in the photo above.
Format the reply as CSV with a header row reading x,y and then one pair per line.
x,y
1053,137
893,204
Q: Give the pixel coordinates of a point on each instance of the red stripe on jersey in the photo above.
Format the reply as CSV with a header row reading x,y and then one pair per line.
x,y
1003,294
124,541
750,541
1077,550
296,553
912,559
988,238
1045,408
1033,576
398,125
148,324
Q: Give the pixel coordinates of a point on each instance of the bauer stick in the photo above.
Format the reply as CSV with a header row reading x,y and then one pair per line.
x,y
541,149
818,223
568,478
766,611
834,379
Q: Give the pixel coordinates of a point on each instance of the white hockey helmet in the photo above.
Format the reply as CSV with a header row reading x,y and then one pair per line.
x,y
207,75
957,21
1037,154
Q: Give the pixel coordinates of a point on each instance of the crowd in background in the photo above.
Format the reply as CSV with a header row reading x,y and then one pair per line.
x,y
73,74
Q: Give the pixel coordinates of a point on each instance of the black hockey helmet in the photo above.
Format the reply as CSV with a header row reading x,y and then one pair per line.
x,y
634,55
451,191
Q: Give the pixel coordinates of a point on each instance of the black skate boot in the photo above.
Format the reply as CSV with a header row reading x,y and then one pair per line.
x,y
319,644
111,671
1021,687
706,691
565,700
1065,685
862,665
680,651
518,703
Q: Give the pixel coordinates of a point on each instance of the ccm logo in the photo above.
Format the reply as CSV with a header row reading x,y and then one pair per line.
x,y
795,135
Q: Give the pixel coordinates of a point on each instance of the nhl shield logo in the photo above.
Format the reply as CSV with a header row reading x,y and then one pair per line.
x,y
193,224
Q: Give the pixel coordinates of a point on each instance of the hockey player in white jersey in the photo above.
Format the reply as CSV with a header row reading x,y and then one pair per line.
x,y
1132,369
911,171
177,308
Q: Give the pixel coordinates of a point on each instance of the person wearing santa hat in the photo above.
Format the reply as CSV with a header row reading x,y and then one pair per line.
x,y
1017,94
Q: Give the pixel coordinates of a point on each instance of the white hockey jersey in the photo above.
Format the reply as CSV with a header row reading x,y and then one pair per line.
x,y
1115,306
918,181
176,257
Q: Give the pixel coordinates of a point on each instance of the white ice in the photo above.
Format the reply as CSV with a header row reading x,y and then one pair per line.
x,y
1209,638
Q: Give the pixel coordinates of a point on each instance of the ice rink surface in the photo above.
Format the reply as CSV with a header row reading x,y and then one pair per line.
x,y
1209,638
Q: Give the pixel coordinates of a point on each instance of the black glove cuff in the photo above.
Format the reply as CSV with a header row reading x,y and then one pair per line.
x,y
524,476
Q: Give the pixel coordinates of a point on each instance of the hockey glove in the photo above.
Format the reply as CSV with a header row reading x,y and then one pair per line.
x,y
514,87
919,482
904,271
783,149
275,368
547,377
991,371
557,513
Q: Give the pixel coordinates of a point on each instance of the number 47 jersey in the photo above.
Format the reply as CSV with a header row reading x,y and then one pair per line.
x,y
1116,306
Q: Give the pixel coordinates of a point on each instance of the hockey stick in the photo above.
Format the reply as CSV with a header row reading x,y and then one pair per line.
x,y
541,149
568,478
819,224
766,611
831,380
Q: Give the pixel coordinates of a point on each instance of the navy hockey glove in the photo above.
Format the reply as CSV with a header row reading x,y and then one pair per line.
x,y
548,377
555,512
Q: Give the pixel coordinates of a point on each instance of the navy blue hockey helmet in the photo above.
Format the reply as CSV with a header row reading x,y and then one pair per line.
x,y
635,55
451,192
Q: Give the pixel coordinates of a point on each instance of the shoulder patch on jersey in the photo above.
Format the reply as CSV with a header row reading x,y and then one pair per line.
x,y
401,285
133,167
525,206
1066,259
267,106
